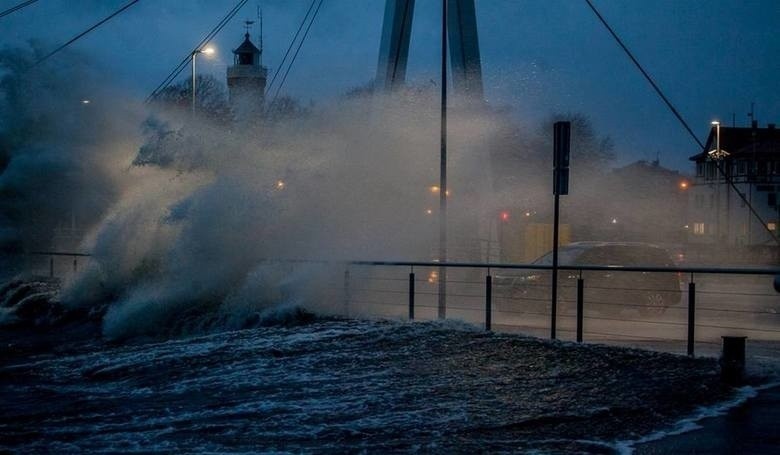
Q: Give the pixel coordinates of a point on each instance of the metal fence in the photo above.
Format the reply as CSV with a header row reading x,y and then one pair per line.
x,y
59,265
678,309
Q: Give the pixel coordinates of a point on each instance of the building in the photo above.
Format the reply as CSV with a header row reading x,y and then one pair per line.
x,y
645,202
246,80
749,176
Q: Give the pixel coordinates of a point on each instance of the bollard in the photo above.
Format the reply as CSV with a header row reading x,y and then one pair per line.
x,y
732,361
411,296
488,301
75,265
691,316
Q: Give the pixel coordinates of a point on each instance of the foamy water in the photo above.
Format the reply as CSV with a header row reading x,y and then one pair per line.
x,y
345,385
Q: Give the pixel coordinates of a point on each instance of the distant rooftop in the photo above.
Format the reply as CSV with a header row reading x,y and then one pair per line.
x,y
742,140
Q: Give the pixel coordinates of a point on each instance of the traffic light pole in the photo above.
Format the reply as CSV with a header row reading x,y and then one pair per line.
x,y
442,309
561,141
554,307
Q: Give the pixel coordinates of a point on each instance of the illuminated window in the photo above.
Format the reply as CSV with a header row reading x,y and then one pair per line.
x,y
771,226
698,228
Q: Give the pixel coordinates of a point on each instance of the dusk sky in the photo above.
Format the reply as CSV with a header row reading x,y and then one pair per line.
x,y
712,58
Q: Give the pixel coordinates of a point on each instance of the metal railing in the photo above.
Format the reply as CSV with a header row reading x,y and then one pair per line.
x,y
363,290
590,307
52,255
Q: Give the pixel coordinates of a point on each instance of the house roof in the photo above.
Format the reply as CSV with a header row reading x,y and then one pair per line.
x,y
247,47
645,168
737,141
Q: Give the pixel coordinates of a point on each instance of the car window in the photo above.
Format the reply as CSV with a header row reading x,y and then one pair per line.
x,y
626,255
566,256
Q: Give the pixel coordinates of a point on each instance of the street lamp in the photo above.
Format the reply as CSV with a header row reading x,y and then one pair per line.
x,y
207,51
717,153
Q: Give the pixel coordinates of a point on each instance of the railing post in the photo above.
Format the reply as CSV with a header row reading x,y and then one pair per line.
x,y
411,295
691,315
488,300
51,266
346,291
75,264
580,306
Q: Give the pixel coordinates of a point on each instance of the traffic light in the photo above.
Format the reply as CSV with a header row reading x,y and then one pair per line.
x,y
561,151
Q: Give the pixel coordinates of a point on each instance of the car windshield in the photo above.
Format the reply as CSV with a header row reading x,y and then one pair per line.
x,y
625,255
566,256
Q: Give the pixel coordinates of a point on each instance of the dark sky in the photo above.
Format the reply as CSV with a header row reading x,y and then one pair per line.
x,y
712,57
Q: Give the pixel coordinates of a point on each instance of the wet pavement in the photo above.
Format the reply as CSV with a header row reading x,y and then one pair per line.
x,y
751,428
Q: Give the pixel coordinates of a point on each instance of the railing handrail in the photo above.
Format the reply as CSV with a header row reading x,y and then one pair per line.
x,y
500,265
57,253
683,269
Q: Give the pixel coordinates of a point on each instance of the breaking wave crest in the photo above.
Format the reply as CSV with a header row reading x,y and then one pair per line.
x,y
42,304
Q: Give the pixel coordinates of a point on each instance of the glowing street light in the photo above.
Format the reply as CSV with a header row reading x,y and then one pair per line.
x,y
504,216
85,101
435,189
683,185
280,184
717,153
429,211
207,51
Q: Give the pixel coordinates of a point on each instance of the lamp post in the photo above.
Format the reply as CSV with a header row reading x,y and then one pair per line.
x,y
716,124
717,155
207,51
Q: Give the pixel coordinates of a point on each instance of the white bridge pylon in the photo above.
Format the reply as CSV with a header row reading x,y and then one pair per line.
x,y
463,46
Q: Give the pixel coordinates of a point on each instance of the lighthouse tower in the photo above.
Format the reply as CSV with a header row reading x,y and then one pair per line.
x,y
246,78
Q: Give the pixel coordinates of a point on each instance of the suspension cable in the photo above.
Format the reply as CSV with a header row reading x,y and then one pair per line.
x,y
82,34
17,7
685,125
292,61
292,43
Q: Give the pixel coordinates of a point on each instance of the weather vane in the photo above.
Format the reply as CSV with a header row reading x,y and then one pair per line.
x,y
248,25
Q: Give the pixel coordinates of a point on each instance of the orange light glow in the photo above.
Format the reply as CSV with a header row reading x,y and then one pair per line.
x,y
683,185
280,184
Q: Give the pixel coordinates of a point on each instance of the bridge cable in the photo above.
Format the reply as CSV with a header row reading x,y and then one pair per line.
x,y
17,7
292,43
292,61
80,35
682,121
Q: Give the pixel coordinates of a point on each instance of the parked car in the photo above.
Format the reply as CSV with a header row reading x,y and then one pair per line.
x,y
650,293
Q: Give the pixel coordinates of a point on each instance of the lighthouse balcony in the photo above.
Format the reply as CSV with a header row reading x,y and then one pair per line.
x,y
246,71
